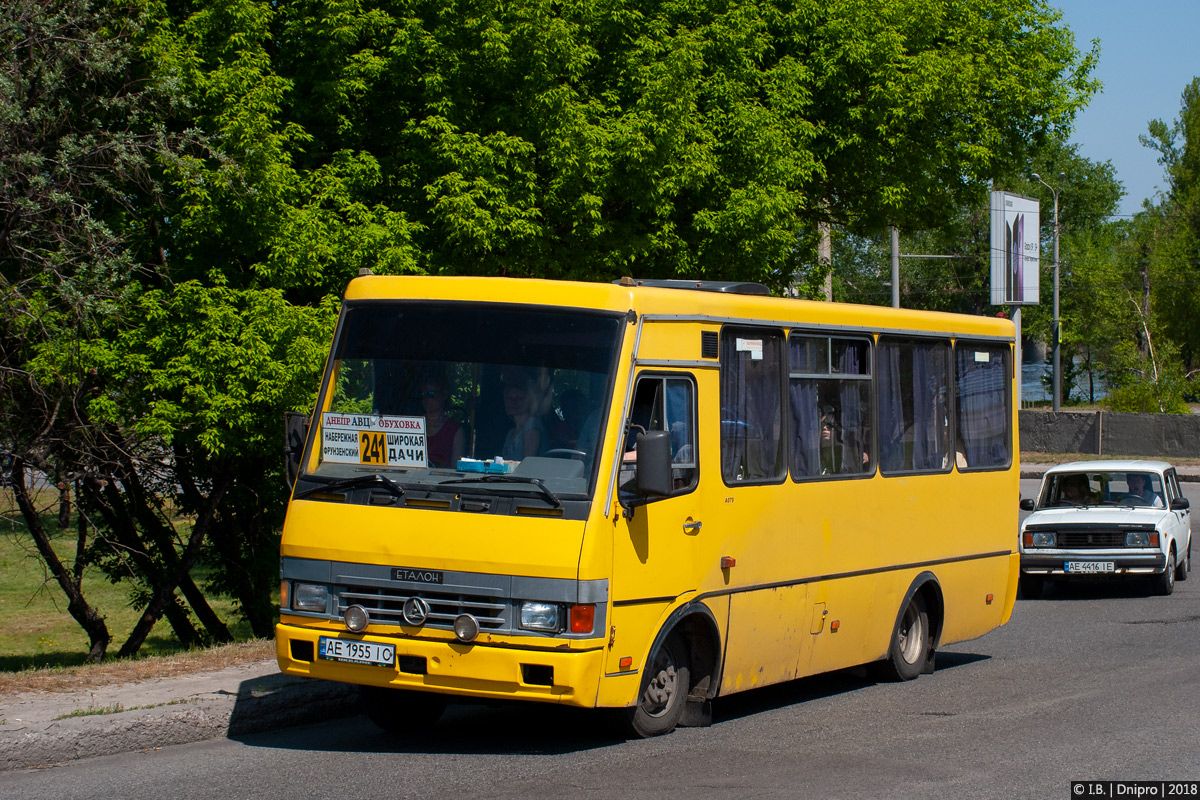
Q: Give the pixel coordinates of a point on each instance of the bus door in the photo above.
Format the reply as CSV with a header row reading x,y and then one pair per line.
x,y
654,542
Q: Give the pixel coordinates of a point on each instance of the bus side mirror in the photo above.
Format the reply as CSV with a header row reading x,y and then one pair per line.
x,y
295,432
654,464
1027,504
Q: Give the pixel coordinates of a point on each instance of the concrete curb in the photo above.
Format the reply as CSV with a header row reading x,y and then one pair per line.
x,y
45,728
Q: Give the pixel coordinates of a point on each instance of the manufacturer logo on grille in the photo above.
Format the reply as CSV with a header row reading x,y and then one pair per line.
x,y
416,610
416,575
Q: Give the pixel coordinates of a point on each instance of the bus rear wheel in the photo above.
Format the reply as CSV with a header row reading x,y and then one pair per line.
x,y
912,642
401,712
665,685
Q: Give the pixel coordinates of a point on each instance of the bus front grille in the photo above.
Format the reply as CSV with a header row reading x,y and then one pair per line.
x,y
386,607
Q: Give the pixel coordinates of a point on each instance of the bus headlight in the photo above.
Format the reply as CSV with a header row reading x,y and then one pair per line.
x,y
537,616
310,597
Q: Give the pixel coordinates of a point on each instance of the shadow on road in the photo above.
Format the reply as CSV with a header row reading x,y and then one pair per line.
x,y
1089,589
534,729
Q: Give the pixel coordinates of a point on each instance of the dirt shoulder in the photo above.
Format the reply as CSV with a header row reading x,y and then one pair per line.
x,y
72,679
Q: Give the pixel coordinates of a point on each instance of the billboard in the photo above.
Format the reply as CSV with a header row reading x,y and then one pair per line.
x,y
1016,249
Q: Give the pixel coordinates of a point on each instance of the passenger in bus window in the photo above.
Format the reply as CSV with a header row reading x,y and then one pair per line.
x,y
445,439
521,399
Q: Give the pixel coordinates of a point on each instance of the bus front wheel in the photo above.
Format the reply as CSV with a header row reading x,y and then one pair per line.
x,y
664,693
912,641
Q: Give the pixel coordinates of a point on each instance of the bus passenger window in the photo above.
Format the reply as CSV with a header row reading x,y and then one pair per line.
x,y
982,380
914,415
829,394
752,423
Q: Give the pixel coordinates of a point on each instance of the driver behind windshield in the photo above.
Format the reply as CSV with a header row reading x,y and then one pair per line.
x,y
1140,491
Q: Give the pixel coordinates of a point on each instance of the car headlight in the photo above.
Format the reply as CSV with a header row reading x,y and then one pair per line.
x,y
537,616
1040,539
310,597
1141,539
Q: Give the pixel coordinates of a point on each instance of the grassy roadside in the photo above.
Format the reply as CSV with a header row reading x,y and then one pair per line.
x,y
41,645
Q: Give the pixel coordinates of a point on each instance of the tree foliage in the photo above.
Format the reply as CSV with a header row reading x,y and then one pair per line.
x,y
190,185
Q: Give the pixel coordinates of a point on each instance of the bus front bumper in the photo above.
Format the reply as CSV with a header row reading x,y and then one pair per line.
x,y
489,670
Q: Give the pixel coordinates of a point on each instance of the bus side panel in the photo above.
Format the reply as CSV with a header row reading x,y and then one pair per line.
x,y
965,588
844,627
768,639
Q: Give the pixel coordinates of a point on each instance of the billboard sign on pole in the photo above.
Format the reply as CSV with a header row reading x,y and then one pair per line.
x,y
1016,249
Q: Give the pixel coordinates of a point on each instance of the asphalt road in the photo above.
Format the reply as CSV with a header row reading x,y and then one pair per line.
x,y
1089,683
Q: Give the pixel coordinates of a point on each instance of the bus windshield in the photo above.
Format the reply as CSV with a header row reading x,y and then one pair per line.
x,y
424,393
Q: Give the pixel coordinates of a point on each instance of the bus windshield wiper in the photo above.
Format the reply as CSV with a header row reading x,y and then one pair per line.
x,y
374,480
536,483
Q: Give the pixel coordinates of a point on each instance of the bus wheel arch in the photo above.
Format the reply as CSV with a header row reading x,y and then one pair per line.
x,y
688,643
917,631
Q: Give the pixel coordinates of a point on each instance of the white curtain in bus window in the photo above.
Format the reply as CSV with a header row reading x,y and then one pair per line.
x,y
914,424
982,396
752,442
829,396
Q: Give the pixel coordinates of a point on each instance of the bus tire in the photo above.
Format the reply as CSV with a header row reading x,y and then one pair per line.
x,y
664,690
401,712
912,642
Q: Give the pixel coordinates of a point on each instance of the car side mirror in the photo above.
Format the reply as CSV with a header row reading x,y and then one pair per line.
x,y
1180,504
1028,504
295,432
654,464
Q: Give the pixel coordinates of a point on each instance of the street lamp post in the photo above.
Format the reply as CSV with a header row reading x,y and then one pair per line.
x,y
1055,330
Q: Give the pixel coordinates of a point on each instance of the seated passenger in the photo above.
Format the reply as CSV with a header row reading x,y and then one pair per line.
x,y
445,439
527,436
1074,490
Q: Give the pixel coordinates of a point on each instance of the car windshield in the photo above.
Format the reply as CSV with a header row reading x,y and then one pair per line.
x,y
424,394
1112,488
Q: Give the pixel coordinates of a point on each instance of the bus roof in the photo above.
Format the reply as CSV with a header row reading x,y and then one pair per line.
x,y
682,301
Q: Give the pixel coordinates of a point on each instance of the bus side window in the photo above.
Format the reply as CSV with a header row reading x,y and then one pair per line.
x,y
662,403
983,380
830,401
753,428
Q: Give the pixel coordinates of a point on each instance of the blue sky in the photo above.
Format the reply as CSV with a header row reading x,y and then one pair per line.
x,y
1148,53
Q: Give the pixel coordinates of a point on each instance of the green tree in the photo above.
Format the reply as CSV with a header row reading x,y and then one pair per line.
x,y
1171,242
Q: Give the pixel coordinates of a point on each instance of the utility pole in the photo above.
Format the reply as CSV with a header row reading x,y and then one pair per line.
x,y
1056,327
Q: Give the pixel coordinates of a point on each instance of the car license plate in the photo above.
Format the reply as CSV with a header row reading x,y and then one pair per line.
x,y
383,655
1089,566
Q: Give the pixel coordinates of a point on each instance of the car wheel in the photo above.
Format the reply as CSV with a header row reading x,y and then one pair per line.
x,y
401,712
912,641
1185,566
1165,583
1031,586
664,694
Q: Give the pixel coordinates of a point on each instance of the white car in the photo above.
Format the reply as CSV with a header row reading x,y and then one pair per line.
x,y
1116,519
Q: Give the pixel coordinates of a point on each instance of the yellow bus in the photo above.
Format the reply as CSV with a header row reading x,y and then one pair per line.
x,y
642,495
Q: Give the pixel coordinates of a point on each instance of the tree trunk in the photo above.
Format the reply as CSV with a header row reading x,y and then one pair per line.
x,y
79,609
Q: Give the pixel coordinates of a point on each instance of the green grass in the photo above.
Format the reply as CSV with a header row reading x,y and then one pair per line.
x,y
35,628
